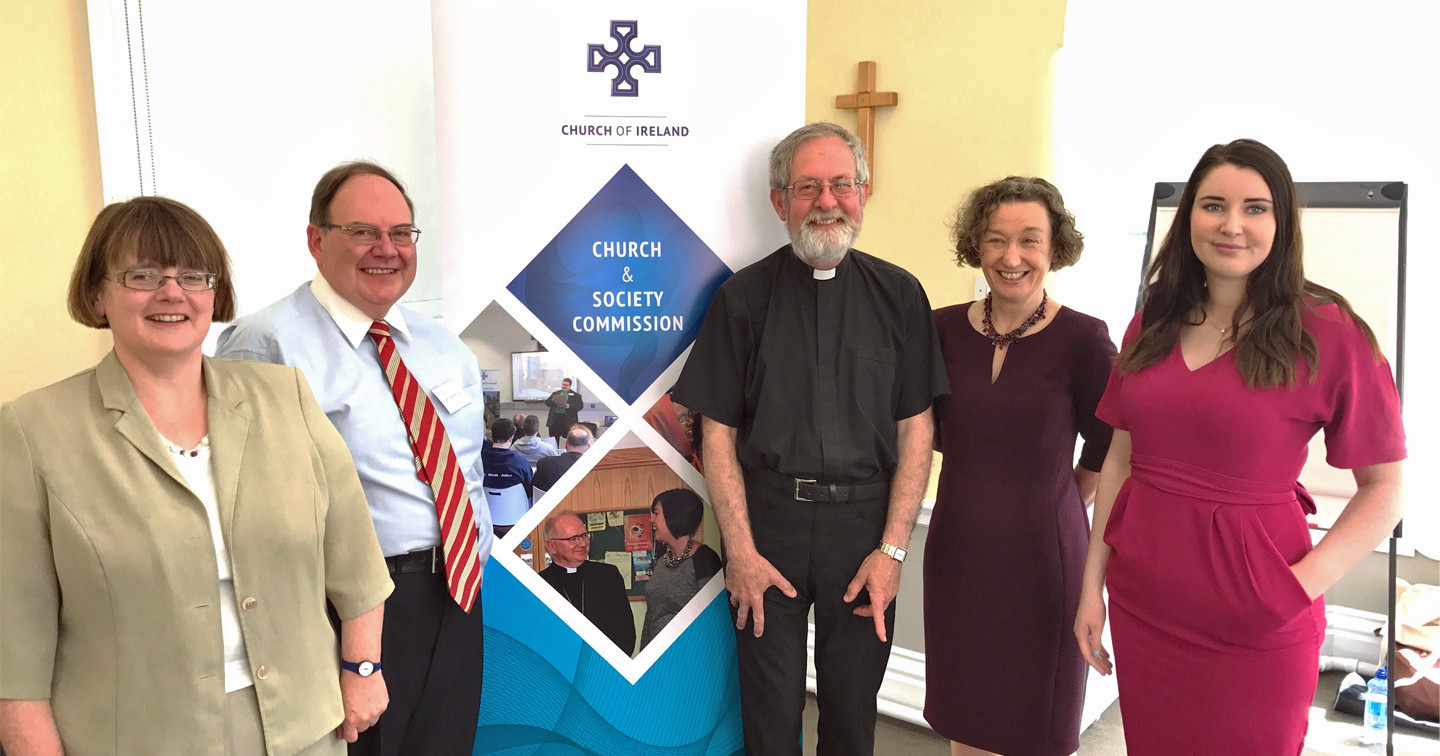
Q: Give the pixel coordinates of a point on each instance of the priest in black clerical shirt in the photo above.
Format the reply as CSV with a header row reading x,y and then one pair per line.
x,y
815,371
595,588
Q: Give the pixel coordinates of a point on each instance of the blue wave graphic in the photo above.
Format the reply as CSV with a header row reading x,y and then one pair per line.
x,y
547,693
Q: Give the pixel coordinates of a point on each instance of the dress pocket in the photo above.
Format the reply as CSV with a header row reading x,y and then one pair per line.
x,y
1278,595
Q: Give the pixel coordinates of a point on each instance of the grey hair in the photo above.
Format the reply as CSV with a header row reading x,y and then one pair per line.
x,y
554,522
784,152
578,435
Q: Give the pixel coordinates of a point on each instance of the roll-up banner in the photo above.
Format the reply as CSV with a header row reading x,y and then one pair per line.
x,y
602,170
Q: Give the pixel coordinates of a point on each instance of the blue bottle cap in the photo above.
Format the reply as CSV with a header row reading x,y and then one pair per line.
x,y
1380,674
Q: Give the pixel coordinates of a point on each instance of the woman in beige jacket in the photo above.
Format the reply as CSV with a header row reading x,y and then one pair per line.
x,y
172,527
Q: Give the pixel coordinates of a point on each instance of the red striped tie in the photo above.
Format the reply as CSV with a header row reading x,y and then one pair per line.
x,y
438,467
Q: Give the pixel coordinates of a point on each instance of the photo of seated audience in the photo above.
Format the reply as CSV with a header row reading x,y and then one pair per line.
x,y
520,377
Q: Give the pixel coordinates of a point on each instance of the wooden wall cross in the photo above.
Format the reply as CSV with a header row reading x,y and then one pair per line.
x,y
865,100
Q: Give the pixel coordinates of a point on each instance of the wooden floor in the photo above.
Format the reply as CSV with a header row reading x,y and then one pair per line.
x,y
1331,733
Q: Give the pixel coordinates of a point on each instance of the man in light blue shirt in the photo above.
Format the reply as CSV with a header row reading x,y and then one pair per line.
x,y
363,239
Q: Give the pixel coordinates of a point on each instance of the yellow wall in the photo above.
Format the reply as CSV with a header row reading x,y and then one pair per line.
x,y
974,85
49,190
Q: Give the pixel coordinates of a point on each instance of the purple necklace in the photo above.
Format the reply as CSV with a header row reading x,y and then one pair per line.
x,y
1006,339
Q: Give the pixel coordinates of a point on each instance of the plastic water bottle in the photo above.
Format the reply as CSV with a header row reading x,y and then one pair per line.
x,y
1376,692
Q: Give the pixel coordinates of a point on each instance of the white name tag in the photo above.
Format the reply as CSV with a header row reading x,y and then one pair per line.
x,y
452,396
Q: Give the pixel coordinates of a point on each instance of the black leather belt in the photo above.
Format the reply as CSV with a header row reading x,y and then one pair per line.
x,y
430,560
807,489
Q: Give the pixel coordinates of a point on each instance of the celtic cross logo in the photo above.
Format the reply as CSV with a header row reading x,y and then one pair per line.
x,y
625,58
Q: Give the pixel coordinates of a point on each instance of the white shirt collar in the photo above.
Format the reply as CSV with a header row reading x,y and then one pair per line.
x,y
353,323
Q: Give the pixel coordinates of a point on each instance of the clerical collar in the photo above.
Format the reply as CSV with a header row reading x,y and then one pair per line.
x,y
815,273
571,570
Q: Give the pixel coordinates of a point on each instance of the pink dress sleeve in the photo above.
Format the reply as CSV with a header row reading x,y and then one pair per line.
x,y
1364,425
1110,410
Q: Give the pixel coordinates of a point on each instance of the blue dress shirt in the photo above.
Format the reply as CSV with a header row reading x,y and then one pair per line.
x,y
314,329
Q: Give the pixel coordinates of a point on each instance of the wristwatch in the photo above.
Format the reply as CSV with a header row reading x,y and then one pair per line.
x,y
364,667
894,552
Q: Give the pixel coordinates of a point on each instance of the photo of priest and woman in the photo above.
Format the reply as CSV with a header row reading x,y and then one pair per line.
x,y
629,567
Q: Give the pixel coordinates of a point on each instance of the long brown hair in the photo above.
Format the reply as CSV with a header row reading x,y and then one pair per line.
x,y
1275,293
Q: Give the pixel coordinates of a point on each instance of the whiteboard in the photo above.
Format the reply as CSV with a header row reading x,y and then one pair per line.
x,y
1354,244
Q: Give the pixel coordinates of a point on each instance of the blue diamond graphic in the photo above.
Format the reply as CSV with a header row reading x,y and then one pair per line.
x,y
624,284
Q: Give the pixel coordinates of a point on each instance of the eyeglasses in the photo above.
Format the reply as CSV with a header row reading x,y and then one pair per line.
x,y
400,236
809,190
574,540
151,280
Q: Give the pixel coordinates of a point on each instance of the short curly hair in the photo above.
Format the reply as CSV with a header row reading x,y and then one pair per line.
x,y
1066,243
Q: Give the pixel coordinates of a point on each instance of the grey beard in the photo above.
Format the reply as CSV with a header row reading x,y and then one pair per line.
x,y
816,251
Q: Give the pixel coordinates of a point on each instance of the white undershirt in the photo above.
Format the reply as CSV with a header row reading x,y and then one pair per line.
x,y
195,466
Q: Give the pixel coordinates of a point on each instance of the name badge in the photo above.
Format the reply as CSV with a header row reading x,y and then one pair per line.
x,y
452,396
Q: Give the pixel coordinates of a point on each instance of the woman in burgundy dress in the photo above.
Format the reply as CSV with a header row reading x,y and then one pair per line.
x,y
1233,363
1006,544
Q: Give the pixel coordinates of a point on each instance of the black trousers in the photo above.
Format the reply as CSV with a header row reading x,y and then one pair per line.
x,y
432,655
818,547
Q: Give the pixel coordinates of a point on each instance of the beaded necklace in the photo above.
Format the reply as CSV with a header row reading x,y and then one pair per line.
x,y
1002,340
673,561
176,449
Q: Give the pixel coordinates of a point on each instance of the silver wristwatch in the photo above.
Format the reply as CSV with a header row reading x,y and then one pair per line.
x,y
894,552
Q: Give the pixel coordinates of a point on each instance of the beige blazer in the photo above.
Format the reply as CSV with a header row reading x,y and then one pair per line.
x,y
108,585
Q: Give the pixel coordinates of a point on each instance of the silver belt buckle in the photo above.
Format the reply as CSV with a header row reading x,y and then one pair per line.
x,y
798,481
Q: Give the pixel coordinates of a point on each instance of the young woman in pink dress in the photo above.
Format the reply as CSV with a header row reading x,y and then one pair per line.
x,y
1234,362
